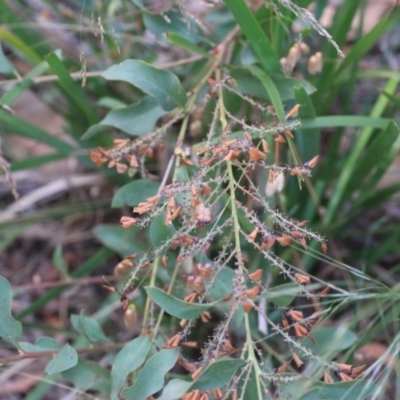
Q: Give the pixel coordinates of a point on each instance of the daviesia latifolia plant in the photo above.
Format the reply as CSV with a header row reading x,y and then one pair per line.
x,y
217,233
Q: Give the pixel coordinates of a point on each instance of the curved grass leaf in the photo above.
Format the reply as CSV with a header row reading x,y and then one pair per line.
x,y
129,358
254,33
356,390
176,307
65,359
10,328
151,378
186,44
162,85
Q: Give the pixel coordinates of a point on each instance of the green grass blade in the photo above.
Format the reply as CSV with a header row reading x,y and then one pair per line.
x,y
358,148
186,44
337,121
17,126
72,90
258,39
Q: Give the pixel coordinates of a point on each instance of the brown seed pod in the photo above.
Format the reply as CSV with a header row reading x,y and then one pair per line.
x,y
197,373
130,316
252,236
284,240
312,163
120,269
127,222
265,146
289,134
174,341
357,371
283,368
295,315
324,247
190,298
256,154
344,377
192,345
302,278
298,361
202,214
252,292
247,307
189,366
186,162
153,199
346,368
315,63
164,261
328,378
256,275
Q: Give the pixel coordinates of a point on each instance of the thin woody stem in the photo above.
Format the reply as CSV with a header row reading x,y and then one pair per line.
x,y
50,353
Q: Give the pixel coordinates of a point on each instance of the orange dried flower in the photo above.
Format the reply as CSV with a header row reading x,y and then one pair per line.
x,y
328,378
302,278
252,292
284,240
256,154
252,236
298,361
283,368
256,275
127,222
312,163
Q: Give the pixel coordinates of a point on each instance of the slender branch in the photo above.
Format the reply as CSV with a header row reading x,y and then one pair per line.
x,y
67,282
50,353
94,74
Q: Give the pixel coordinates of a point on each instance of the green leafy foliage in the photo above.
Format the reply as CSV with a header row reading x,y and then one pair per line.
x,y
164,86
151,378
129,359
65,359
135,192
176,307
10,328
282,295
89,328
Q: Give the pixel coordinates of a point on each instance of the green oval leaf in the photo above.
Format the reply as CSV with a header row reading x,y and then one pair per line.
x,y
136,119
162,85
65,359
43,343
135,192
176,307
217,374
10,328
122,241
129,358
282,295
159,232
88,327
151,378
175,389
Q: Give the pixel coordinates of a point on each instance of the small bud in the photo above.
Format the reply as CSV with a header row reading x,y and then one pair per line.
x,y
202,214
298,361
96,157
164,261
265,146
324,292
357,371
174,341
176,213
205,317
121,168
204,270
256,154
186,162
324,247
190,298
171,204
252,292
302,278
153,199
285,323
295,315
312,163
315,63
289,134
121,268
247,307
328,378
182,323
279,139
284,240
252,236
133,162
346,368
197,373
130,316
127,222
192,345
304,48
283,368
256,275
344,377
205,190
